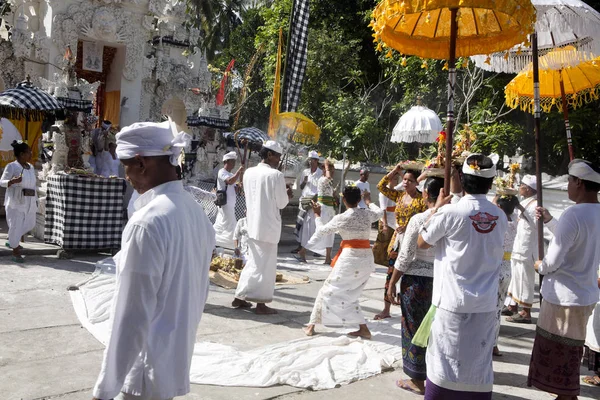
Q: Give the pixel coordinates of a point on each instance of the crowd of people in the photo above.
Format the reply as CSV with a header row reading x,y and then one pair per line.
x,y
461,261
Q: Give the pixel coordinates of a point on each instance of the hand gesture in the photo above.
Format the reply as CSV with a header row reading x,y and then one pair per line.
x,y
290,192
393,254
442,199
316,208
366,197
385,229
241,169
400,230
306,179
398,168
543,212
18,179
391,295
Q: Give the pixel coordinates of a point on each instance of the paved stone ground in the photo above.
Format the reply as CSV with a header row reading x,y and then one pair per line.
x,y
46,354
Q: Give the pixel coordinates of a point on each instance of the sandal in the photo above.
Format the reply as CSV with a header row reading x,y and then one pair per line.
x,y
506,311
404,384
299,259
518,319
18,260
591,380
295,251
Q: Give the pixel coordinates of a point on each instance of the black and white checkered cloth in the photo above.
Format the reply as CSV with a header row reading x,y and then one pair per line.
x,y
296,56
28,97
211,209
74,104
84,212
254,135
208,121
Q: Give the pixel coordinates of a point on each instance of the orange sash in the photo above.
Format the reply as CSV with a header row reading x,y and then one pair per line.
x,y
391,209
351,244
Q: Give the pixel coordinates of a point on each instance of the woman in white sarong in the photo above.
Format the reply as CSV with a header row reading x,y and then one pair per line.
x,y
592,344
337,302
326,201
21,201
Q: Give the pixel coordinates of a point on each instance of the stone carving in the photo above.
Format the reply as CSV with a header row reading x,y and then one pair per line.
x,y
13,70
61,150
104,27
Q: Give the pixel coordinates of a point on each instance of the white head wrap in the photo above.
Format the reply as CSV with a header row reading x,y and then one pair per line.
x,y
151,139
313,154
478,171
232,155
106,125
581,169
530,180
273,146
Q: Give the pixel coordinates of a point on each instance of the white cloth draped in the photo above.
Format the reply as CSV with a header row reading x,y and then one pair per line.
x,y
257,280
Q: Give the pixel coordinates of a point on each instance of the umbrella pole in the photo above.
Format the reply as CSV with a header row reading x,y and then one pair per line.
x,y
538,156
450,114
26,128
566,115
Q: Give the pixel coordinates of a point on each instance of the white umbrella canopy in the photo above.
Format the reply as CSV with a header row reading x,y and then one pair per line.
x,y
419,124
559,23
8,134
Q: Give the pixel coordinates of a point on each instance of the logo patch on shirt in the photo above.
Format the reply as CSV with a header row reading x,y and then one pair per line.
x,y
484,222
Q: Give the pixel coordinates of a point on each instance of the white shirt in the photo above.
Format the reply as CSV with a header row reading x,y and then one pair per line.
x,y
410,252
570,267
14,194
161,288
222,176
384,203
266,194
362,186
312,184
468,238
525,246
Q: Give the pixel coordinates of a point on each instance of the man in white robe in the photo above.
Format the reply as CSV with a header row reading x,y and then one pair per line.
x,y
305,224
468,237
364,186
162,274
226,180
266,195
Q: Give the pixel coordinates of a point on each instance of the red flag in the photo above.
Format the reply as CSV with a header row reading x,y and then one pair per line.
x,y
221,93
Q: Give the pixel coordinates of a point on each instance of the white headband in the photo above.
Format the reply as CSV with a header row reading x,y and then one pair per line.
x,y
581,169
106,126
478,171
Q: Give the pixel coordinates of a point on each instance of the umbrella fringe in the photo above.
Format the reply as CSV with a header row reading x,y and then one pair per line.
x,y
19,113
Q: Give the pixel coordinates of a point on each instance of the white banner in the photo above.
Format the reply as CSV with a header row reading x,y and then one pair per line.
x,y
92,56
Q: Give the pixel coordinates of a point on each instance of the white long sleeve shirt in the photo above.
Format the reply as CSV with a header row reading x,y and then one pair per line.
x,y
570,267
161,287
312,183
266,194
14,196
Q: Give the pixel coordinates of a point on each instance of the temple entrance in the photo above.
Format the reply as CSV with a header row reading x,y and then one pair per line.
x,y
104,64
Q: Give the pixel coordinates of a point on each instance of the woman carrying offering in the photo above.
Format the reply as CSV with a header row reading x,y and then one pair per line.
x,y
327,202
415,266
337,302
408,203
20,201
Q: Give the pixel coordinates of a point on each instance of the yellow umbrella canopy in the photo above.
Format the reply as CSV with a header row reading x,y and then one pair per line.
x,y
422,27
579,72
297,128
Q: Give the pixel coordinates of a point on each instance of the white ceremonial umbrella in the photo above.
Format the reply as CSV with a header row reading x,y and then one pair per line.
x,y
419,124
8,134
559,23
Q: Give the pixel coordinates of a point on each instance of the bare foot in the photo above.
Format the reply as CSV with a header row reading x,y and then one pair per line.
x,y
496,352
382,315
239,303
328,261
362,332
309,330
263,309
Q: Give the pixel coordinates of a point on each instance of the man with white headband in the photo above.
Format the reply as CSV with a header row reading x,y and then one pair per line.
x,y
226,184
162,273
266,195
524,253
468,238
569,287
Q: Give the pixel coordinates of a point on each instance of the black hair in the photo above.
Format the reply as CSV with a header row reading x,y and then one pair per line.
x,y
413,172
433,185
508,204
476,184
106,122
352,195
178,172
19,147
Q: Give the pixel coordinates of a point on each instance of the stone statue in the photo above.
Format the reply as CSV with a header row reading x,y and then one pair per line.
x,y
104,27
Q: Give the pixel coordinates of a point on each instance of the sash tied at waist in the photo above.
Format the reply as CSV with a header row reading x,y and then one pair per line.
x,y
351,244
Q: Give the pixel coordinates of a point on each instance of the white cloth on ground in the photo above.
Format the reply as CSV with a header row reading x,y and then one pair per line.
x,y
257,280
570,267
20,210
225,222
337,303
459,353
161,287
363,186
468,236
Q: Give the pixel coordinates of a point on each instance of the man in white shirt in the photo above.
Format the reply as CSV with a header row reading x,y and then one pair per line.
x,y
162,274
364,186
569,287
226,180
305,222
468,237
266,195
524,253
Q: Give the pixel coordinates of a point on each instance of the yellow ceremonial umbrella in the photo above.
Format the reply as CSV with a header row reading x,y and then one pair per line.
x,y
446,29
568,77
297,128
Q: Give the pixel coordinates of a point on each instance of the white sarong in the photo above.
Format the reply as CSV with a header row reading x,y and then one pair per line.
x,y
337,302
20,222
225,224
308,228
522,282
459,354
320,245
257,280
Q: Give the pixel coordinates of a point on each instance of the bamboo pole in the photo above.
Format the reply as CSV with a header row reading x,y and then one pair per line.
x,y
450,112
566,115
